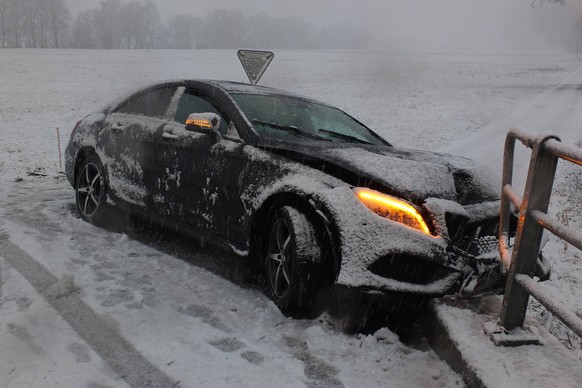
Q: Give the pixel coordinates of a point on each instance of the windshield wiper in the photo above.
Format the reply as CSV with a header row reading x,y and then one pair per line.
x,y
290,128
342,136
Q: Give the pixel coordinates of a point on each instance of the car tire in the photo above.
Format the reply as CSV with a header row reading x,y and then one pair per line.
x,y
293,261
91,191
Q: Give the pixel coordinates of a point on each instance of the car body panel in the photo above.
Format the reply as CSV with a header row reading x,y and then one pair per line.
x,y
215,186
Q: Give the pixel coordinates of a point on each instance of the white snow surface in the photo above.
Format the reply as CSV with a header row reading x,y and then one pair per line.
x,y
189,311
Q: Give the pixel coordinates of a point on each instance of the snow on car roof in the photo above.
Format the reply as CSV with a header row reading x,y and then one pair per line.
x,y
228,86
240,87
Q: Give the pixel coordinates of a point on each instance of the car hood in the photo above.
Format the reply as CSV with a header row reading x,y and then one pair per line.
x,y
412,174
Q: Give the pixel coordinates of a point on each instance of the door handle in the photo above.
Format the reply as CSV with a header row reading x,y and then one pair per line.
x,y
170,136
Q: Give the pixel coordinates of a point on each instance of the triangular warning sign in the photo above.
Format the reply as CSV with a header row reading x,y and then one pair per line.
x,y
255,62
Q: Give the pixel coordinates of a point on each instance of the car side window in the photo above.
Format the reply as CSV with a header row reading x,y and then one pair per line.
x,y
194,102
153,103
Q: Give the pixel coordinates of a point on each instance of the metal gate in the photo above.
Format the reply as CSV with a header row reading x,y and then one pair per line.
x,y
547,150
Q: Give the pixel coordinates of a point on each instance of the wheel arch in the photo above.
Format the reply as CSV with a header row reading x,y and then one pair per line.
x,y
316,213
83,154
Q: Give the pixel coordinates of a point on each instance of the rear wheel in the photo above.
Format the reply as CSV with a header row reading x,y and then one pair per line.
x,y
293,261
91,190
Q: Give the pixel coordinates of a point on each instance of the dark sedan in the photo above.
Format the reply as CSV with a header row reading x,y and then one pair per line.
x,y
311,193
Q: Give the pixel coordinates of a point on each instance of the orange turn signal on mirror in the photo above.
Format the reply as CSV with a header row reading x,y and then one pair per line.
x,y
392,208
202,123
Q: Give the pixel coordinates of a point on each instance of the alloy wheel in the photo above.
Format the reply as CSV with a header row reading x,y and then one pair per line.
x,y
280,258
89,189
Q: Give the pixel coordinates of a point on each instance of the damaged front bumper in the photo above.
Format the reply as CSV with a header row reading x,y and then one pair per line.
x,y
379,255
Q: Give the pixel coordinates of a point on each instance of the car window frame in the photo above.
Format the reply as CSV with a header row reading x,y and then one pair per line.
x,y
118,108
246,133
221,110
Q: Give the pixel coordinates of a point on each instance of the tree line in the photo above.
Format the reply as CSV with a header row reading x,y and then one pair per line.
x,y
138,25
33,23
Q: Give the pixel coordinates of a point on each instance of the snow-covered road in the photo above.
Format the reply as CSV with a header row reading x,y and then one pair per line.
x,y
87,307
140,315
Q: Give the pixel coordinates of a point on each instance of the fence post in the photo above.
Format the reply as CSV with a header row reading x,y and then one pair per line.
x,y
537,193
59,148
505,206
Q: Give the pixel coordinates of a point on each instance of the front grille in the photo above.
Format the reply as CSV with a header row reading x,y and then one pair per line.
x,y
477,238
473,238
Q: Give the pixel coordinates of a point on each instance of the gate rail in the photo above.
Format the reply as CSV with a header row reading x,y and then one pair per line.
x,y
547,150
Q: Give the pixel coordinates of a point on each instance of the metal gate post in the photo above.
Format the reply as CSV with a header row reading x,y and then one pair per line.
x,y
538,189
505,206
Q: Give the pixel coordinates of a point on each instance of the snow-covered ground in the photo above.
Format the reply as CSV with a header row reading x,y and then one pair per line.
x,y
82,306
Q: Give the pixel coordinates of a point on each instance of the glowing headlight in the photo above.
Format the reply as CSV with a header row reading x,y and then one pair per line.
x,y
392,208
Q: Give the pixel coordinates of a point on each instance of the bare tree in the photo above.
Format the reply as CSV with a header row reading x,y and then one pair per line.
x,y
15,21
43,23
151,22
127,16
59,17
256,35
224,29
84,34
182,31
37,17
3,21
30,13
140,24
107,24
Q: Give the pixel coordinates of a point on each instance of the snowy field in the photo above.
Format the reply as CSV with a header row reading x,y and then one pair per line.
x,y
119,311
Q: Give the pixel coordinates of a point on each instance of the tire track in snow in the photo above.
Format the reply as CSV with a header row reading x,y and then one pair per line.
x,y
115,350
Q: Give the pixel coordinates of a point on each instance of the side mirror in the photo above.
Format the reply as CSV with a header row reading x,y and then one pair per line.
x,y
207,122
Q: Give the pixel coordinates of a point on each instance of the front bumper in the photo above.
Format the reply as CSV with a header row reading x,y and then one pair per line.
x,y
386,256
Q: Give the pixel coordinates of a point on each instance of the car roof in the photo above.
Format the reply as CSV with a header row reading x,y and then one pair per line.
x,y
230,87
240,87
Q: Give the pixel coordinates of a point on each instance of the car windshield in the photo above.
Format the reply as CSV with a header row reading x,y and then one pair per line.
x,y
287,117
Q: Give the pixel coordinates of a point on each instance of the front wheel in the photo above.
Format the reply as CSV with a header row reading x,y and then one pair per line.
x,y
293,261
91,191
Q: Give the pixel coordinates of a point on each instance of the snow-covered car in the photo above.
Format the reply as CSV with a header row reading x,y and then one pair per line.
x,y
312,194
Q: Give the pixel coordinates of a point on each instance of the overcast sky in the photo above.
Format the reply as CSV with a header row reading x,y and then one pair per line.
x,y
479,25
